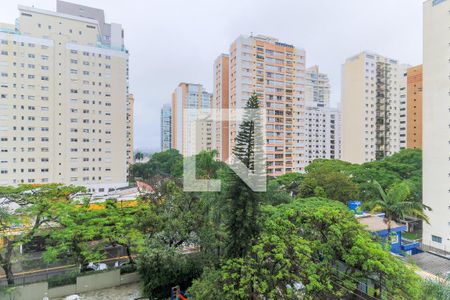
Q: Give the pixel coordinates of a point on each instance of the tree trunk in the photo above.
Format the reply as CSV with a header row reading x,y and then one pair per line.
x,y
389,233
7,268
7,264
130,258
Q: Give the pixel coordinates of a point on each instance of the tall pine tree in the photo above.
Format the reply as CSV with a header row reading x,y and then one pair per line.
x,y
242,202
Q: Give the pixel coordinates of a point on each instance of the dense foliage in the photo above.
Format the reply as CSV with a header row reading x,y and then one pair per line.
x,y
297,240
342,181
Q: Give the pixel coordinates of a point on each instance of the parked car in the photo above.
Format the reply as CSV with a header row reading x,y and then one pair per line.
x,y
96,267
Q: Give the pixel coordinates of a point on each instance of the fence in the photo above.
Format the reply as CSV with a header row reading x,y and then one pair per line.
x,y
84,283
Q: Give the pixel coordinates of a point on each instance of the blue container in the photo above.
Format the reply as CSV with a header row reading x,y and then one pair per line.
x,y
355,206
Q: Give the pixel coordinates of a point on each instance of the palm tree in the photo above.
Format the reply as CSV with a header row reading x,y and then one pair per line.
x,y
139,156
396,205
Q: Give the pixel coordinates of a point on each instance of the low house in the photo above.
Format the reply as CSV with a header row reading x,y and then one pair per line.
x,y
377,224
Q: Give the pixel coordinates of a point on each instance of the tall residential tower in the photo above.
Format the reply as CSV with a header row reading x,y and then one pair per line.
x,y
436,124
371,107
63,102
414,107
322,122
188,101
275,71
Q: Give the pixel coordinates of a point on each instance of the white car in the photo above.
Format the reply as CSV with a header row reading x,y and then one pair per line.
x,y
96,266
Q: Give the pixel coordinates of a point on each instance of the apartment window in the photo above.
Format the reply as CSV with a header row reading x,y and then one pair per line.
x,y
436,239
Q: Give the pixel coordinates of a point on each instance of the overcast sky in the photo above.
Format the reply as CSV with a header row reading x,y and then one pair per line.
x,y
175,41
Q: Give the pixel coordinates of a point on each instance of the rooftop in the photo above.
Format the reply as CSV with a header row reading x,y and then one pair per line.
x,y
376,223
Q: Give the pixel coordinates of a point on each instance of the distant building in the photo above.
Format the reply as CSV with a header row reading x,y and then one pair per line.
x,y
436,124
372,86
64,113
414,108
317,88
221,101
194,98
322,122
166,127
275,72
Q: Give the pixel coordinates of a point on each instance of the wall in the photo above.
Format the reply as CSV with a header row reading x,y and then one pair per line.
x,y
96,281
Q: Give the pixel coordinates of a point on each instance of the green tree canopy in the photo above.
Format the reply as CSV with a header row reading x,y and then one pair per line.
x,y
24,211
315,249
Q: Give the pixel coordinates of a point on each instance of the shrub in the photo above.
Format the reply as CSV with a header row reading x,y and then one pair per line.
x,y
128,268
61,280
162,268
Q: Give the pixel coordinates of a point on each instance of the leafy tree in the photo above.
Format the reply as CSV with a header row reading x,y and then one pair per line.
x,y
329,184
180,216
436,289
290,182
76,234
242,209
207,165
396,206
315,249
276,193
139,156
168,164
208,286
121,226
162,268
24,210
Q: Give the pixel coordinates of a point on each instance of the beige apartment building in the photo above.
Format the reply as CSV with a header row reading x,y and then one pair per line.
x,y
414,107
221,100
436,124
188,102
63,102
372,107
130,129
275,72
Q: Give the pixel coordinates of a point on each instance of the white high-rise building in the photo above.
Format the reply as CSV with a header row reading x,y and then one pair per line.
x,y
321,121
63,99
436,124
371,107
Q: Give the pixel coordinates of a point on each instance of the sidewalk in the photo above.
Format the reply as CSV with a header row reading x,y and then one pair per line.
x,y
123,292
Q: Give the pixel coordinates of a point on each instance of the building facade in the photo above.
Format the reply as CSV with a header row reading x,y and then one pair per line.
x,y
130,129
275,71
317,88
188,101
436,116
63,102
414,108
371,107
166,127
221,101
322,121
